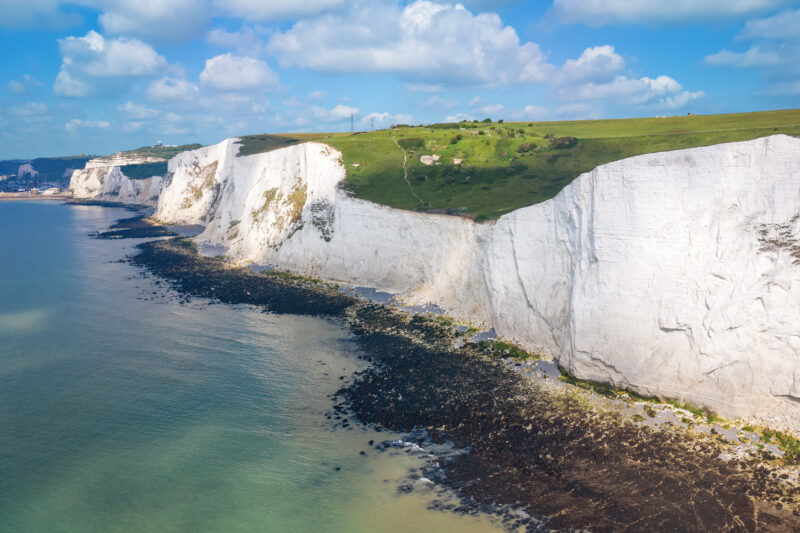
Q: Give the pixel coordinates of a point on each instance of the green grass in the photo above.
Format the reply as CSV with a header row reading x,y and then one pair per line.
x,y
144,170
511,165
163,152
502,349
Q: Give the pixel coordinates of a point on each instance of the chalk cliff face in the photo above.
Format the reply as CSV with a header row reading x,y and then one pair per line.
x,y
104,179
675,273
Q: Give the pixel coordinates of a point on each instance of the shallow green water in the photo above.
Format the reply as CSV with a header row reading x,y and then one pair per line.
x,y
123,410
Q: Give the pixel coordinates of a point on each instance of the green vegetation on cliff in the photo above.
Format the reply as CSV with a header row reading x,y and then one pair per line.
x,y
488,169
145,170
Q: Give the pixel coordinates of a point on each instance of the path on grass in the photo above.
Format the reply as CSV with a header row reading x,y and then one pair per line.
x,y
405,174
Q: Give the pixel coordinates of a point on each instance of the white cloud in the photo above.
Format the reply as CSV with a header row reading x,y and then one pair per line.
x,y
30,109
16,87
530,112
784,25
159,20
340,112
438,102
88,60
245,42
76,123
137,111
384,120
599,63
599,12
753,57
594,76
129,127
168,88
476,101
680,100
490,109
275,9
661,92
424,88
317,96
228,72
458,117
440,43
42,13
23,85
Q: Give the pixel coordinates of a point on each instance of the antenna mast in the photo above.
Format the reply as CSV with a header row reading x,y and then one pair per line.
x,y
351,123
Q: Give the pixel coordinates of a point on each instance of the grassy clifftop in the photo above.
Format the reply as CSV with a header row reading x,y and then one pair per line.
x,y
488,169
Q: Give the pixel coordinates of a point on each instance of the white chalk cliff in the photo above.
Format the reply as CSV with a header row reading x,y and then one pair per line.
x,y
673,273
104,179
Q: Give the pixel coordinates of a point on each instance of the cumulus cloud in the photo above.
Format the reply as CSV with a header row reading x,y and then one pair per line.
x,y
317,96
23,85
384,120
426,41
424,88
137,111
490,109
47,13
662,91
158,20
599,63
171,89
753,57
77,123
228,72
438,102
29,109
88,60
458,117
600,12
340,112
594,76
785,25
245,42
530,112
774,53
275,9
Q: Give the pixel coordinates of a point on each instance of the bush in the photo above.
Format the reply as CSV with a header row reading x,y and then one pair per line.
x,y
559,143
411,143
486,121
455,139
526,147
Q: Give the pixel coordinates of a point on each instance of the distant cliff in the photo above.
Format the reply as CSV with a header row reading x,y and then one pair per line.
x,y
105,179
673,273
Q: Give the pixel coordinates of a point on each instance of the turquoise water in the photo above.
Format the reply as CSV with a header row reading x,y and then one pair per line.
x,y
122,409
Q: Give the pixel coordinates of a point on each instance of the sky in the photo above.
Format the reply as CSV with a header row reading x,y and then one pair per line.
x,y
99,76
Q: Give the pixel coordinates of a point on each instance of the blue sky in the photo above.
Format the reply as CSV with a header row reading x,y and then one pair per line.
x,y
98,76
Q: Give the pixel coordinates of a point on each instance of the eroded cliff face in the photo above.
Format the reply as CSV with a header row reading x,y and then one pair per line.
x,y
104,179
673,273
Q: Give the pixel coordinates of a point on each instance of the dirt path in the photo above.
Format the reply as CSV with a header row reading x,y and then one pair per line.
x,y
405,175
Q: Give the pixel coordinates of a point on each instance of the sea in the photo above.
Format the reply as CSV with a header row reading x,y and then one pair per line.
x,y
126,408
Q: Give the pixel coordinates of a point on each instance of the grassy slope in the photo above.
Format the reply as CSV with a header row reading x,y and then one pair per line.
x,y
494,177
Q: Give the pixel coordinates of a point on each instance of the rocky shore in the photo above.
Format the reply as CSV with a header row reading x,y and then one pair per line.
x,y
547,450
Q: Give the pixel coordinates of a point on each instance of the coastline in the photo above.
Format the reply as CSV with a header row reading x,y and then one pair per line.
x,y
535,448
11,197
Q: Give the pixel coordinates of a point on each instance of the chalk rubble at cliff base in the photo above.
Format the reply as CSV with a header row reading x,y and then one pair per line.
x,y
672,273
